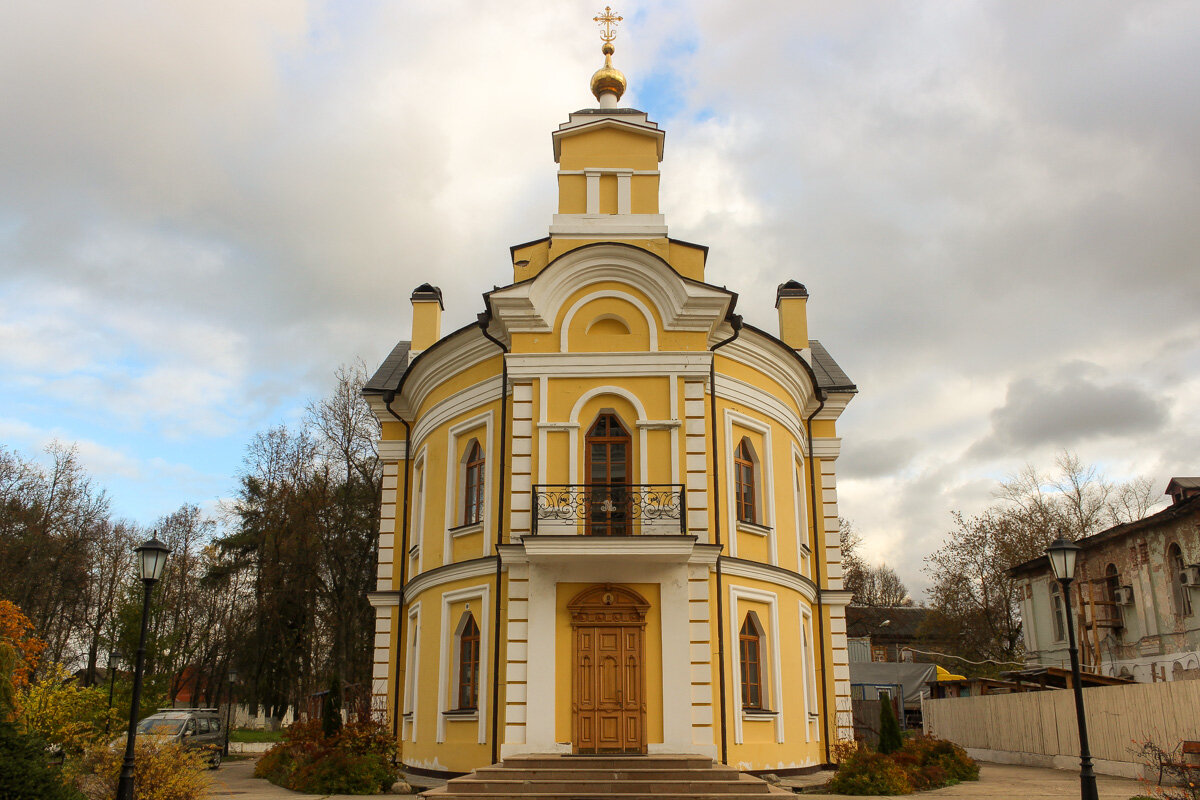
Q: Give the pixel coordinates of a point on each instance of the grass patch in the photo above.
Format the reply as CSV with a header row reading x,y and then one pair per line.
x,y
243,735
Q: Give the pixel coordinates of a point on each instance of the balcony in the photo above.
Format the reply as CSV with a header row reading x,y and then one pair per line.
x,y
639,509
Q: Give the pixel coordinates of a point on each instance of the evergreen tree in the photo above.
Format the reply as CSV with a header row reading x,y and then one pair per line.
x,y
889,729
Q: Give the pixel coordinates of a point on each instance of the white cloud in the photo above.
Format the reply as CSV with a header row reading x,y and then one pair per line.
x,y
205,207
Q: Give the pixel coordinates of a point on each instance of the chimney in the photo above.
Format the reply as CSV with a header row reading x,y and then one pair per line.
x,y
791,299
426,316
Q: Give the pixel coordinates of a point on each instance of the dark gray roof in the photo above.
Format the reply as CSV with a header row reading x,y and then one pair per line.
x,y
1184,483
830,376
608,111
387,377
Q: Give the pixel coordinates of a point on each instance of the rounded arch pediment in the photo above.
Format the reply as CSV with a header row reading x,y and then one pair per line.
x,y
608,604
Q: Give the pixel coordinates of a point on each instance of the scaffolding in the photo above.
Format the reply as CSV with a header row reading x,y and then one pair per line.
x,y
1098,611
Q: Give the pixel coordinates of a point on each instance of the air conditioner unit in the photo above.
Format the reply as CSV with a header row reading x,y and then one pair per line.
x,y
1123,595
1190,575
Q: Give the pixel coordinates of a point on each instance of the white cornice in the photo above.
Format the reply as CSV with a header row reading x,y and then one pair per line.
x,y
532,306
383,599
440,364
392,450
562,365
827,448
451,572
835,404
769,574
658,424
592,226
641,548
761,401
767,357
836,597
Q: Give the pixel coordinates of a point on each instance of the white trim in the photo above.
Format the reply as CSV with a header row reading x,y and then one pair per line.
x,y
532,366
391,449
481,592
776,576
531,306
455,572
614,171
420,482
765,492
827,448
776,684
574,453
455,477
800,511
542,549
651,324
755,398
809,674
412,665
434,369
464,401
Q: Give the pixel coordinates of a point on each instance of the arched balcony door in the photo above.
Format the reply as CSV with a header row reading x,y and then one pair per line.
x,y
607,456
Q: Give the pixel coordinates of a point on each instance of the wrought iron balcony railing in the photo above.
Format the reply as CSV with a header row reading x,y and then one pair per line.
x,y
610,509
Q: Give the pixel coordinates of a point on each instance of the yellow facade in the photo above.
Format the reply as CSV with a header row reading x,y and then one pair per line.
x,y
609,514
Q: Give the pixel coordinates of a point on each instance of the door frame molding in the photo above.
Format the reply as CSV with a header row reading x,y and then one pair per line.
x,y
608,605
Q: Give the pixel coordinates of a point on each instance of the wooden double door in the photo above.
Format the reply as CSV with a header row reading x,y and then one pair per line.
x,y
608,705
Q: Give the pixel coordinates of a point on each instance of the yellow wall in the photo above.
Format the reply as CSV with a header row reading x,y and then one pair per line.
x,y
609,147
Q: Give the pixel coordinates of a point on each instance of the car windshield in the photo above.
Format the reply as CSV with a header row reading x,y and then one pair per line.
x,y
160,726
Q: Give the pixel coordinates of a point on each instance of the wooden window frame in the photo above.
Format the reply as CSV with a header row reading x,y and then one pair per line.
x,y
473,479
750,654
468,665
745,476
620,495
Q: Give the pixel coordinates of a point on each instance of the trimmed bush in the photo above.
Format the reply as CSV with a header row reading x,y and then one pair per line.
x,y
868,773
357,760
921,763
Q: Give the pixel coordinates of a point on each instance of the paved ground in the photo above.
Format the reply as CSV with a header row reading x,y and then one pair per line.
x,y
1005,781
235,781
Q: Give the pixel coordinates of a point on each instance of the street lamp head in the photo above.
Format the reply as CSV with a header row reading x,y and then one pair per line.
x,y
152,556
233,676
1062,554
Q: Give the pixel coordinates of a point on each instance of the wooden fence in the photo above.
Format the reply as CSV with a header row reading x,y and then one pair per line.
x,y
1038,727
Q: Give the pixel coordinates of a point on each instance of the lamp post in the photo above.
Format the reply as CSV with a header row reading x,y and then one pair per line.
x,y
152,557
229,708
113,656
1062,554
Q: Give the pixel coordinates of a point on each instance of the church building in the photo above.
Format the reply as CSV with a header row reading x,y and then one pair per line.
x,y
609,519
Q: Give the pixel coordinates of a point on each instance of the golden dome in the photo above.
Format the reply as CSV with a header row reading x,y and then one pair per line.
x,y
608,78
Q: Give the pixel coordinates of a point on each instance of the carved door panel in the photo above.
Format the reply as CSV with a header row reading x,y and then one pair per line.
x,y
608,690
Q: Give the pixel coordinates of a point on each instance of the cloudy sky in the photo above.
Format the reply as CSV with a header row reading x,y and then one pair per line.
x,y
206,207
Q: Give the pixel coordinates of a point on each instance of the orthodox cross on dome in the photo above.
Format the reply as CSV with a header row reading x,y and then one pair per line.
x,y
608,21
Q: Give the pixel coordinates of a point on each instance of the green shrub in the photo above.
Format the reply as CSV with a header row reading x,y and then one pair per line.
x,y
868,773
24,771
358,760
889,729
339,772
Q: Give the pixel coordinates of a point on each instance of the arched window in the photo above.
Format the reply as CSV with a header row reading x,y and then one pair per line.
x,y
1060,615
473,484
607,460
744,482
1179,591
750,653
468,664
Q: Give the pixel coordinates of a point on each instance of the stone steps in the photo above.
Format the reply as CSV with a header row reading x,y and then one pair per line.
x,y
556,777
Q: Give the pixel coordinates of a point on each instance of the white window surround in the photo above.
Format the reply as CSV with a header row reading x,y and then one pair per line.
x,y
571,427
455,477
454,712
479,593
774,675
800,500
575,457
412,664
765,489
418,512
808,674
600,295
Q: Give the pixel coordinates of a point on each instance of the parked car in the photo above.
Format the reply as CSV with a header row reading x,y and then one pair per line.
x,y
194,728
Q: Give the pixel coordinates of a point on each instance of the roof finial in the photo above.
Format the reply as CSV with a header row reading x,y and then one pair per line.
x,y
608,84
